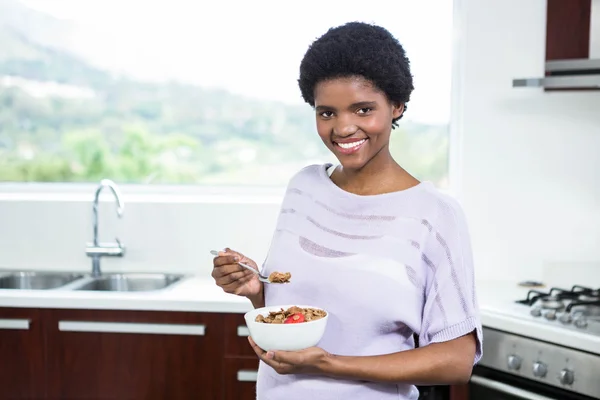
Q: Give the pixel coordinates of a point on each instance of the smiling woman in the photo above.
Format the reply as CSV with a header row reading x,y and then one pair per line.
x,y
391,253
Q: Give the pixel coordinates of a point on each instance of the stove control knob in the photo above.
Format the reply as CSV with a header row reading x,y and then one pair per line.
x,y
514,362
539,369
566,377
536,312
580,322
565,318
550,315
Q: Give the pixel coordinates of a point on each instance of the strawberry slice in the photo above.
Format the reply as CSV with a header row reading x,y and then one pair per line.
x,y
294,319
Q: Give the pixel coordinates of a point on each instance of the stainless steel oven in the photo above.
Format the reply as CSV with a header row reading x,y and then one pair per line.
x,y
488,384
519,368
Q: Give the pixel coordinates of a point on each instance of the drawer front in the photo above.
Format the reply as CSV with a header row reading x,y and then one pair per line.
x,y
240,379
236,337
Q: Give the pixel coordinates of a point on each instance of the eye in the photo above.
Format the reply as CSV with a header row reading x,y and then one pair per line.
x,y
326,114
364,110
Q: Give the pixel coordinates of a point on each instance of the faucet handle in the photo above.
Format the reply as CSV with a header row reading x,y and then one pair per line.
x,y
121,251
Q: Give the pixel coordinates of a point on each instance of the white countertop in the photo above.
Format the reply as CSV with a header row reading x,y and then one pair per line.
x,y
195,293
200,294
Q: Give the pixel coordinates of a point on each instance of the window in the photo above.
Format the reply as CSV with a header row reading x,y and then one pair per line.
x,y
178,92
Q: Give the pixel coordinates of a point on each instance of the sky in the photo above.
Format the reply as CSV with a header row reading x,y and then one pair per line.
x,y
254,48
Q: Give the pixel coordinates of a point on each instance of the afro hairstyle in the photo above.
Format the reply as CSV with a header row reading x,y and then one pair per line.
x,y
358,49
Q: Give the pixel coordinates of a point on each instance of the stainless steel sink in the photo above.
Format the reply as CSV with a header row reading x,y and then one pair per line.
x,y
131,282
36,280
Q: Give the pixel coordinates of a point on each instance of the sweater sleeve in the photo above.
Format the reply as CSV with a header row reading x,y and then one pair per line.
x,y
451,307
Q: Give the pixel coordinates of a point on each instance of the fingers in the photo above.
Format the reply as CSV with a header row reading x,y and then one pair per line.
x,y
221,260
228,274
259,352
240,257
272,359
226,269
228,252
226,263
267,357
236,278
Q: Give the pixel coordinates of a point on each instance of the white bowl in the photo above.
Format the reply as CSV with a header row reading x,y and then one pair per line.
x,y
287,337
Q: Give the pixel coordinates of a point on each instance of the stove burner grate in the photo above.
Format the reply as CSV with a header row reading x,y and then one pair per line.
x,y
554,298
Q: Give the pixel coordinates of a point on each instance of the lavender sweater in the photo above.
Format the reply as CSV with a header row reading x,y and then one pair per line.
x,y
384,266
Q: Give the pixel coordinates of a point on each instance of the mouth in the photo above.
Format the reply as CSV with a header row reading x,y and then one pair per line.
x,y
349,147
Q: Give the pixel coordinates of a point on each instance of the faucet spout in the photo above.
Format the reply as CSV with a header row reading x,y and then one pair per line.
x,y
106,183
95,250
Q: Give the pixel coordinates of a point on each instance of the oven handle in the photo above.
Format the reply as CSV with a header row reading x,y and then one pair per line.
x,y
507,389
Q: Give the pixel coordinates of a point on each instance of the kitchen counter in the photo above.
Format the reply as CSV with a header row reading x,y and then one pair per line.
x,y
499,310
195,293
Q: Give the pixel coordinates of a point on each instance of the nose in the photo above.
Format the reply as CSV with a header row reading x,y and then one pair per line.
x,y
345,127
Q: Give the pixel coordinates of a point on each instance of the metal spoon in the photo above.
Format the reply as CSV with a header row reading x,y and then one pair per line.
x,y
260,276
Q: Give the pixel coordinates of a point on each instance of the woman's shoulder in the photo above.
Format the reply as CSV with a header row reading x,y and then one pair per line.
x,y
308,175
444,204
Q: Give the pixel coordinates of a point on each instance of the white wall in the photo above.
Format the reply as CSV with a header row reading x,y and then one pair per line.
x,y
529,176
159,235
530,173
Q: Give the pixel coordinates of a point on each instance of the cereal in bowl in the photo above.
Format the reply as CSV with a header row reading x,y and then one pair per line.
x,y
292,315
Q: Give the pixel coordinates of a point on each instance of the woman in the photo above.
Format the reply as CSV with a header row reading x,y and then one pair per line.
x,y
386,255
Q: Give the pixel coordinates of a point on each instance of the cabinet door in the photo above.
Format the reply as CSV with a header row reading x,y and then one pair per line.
x,y
22,369
240,378
236,337
459,392
99,354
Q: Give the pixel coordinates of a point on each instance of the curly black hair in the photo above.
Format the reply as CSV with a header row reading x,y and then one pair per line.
x,y
358,49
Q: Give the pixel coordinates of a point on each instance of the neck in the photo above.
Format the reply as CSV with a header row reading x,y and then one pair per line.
x,y
381,174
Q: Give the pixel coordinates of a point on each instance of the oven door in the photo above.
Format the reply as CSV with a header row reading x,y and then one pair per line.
x,y
490,384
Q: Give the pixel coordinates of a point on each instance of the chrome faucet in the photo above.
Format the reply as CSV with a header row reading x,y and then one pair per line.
x,y
97,250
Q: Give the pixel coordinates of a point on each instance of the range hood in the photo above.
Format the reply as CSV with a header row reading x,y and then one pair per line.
x,y
574,74
572,48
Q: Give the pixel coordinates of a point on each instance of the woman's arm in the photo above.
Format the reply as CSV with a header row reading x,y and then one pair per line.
x,y
443,363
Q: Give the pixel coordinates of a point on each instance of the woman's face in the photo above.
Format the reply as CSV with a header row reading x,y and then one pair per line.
x,y
354,120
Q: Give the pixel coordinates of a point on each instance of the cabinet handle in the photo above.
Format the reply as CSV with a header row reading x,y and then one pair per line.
x,y
247,375
15,324
130,327
243,331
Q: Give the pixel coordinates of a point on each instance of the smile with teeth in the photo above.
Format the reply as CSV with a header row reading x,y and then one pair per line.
x,y
351,145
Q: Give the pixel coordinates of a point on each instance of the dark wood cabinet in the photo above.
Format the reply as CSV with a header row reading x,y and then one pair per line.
x,y
128,355
239,378
125,355
241,364
459,392
568,29
22,365
236,337
134,355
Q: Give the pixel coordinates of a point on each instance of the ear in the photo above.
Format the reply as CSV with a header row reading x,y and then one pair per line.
x,y
397,110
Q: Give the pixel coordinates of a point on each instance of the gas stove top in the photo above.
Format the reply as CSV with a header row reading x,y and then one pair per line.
x,y
577,308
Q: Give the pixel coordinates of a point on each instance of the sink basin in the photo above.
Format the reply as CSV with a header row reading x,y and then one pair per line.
x,y
36,280
131,282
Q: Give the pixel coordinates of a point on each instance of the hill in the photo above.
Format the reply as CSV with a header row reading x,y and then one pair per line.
x,y
64,119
